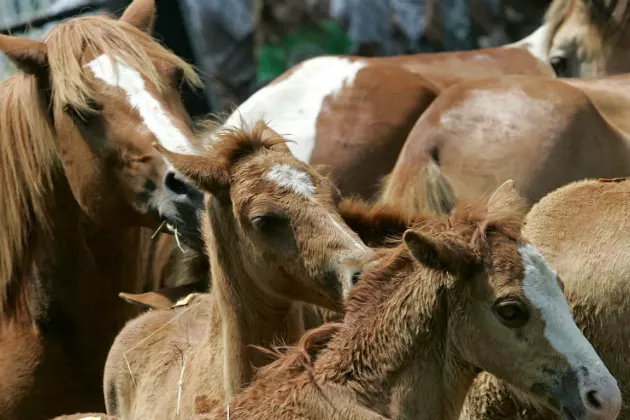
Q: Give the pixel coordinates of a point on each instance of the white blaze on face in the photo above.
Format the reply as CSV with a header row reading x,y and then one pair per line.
x,y
297,181
300,183
541,288
120,75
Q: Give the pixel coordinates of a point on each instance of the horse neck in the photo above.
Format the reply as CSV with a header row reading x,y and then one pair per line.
x,y
249,315
78,269
395,356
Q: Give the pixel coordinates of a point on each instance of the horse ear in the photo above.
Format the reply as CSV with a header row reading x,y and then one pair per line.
x,y
277,141
506,199
29,55
141,14
166,297
208,175
438,253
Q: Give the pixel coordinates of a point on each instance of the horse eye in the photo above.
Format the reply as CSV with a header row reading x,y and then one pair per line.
x,y
559,65
269,222
84,117
511,313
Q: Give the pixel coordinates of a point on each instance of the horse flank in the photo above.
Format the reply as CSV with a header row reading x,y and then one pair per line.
x,y
28,157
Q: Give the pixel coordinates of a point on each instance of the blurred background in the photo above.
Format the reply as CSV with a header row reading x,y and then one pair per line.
x,y
238,46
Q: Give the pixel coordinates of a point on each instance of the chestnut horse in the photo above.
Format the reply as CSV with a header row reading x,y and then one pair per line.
x,y
543,133
580,229
274,240
354,114
82,191
464,293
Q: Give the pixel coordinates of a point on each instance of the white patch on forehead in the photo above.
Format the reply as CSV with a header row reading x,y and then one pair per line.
x,y
292,106
541,288
153,115
537,43
300,183
294,179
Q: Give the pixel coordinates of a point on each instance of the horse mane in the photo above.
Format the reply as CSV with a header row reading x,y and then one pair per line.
x,y
293,360
28,159
606,23
379,224
28,156
68,42
470,224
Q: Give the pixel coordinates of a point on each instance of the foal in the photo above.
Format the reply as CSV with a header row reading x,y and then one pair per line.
x,y
461,295
274,239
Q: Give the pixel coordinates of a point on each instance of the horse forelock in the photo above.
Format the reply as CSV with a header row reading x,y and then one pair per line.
x,y
67,44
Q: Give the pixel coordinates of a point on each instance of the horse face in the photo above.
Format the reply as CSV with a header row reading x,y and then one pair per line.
x,y
518,309
113,92
281,214
567,54
589,39
294,220
129,113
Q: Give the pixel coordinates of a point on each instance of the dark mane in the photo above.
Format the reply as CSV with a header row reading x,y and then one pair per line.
x,y
291,361
377,225
468,224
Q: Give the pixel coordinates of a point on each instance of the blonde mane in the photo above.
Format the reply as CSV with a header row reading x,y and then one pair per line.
x,y
607,21
27,160
28,156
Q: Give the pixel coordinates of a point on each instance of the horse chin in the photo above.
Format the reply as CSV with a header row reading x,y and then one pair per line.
x,y
183,225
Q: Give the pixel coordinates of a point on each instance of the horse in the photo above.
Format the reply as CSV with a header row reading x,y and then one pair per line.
x,y
274,241
356,113
543,133
461,294
83,192
578,230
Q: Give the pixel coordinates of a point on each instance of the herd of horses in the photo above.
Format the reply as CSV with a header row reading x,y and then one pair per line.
x,y
433,236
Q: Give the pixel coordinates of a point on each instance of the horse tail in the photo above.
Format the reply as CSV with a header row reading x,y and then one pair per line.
x,y
439,192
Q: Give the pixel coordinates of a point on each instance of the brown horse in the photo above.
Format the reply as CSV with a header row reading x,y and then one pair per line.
x,y
274,240
82,191
464,293
580,229
355,113
543,133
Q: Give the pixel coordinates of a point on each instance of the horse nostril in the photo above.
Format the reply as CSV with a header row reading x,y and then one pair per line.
x,y
593,400
172,183
356,276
